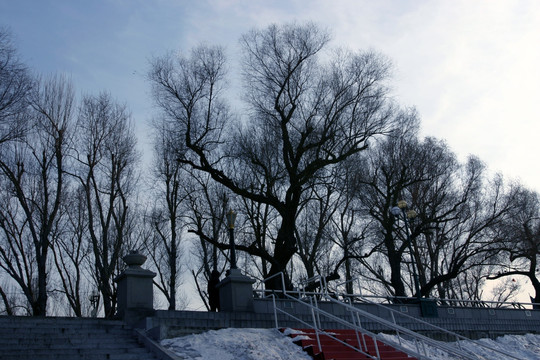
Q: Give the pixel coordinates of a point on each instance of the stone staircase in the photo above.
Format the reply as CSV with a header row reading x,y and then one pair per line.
x,y
334,350
23,338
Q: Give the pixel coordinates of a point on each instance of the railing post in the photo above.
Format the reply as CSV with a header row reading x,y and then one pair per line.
x,y
376,347
355,329
275,311
315,324
363,335
395,323
318,312
416,344
424,347
324,285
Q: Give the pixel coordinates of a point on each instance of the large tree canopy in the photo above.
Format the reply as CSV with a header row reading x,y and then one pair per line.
x,y
307,108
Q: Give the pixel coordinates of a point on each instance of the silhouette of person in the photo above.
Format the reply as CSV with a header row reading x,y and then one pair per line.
x,y
213,291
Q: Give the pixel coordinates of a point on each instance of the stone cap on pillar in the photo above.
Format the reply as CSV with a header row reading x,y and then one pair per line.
x,y
134,260
235,275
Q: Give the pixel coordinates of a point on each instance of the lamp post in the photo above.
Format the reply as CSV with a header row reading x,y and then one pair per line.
x,y
236,290
231,217
401,209
94,302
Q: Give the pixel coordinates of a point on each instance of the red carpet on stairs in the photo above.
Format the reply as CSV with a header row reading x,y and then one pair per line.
x,y
334,350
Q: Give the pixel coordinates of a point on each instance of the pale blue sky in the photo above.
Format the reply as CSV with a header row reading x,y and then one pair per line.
x,y
469,66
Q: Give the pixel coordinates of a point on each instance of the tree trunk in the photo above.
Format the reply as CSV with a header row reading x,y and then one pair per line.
x,y
394,259
39,306
283,253
172,262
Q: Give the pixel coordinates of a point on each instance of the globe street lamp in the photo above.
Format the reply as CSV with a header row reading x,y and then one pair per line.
x,y
231,217
401,209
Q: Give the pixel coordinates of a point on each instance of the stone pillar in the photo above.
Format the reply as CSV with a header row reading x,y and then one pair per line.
x,y
135,289
236,292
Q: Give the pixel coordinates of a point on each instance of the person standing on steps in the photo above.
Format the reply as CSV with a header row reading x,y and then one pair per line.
x,y
213,291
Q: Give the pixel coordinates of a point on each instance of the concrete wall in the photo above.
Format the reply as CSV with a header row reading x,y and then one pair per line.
x,y
471,322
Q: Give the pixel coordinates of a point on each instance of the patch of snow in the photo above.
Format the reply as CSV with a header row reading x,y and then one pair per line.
x,y
523,347
236,344
270,344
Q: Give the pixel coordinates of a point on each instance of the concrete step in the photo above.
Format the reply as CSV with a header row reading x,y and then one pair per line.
x,y
63,338
79,357
66,351
331,349
20,321
9,339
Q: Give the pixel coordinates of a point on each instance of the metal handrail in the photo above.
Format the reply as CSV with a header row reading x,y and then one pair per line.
x,y
488,304
317,328
425,323
418,337
440,329
456,302
423,339
392,325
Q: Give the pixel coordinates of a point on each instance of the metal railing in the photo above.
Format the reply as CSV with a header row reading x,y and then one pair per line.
x,y
356,325
316,313
441,302
402,333
430,326
427,325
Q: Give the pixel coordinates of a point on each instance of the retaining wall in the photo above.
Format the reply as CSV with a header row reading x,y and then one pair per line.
x,y
471,322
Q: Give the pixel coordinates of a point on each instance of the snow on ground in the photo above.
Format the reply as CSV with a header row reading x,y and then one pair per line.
x,y
523,347
270,344
236,344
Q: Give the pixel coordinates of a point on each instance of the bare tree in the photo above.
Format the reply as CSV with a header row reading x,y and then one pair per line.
x,y
305,115
259,230
457,207
106,169
381,179
518,240
164,217
72,251
204,210
313,231
15,85
458,213
349,227
32,173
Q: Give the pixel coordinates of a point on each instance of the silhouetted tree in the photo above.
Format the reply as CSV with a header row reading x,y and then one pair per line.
x,y
457,205
71,251
204,213
165,214
519,240
33,185
305,113
106,169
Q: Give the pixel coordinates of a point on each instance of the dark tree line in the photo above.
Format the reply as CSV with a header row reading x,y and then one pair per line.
x,y
67,174
313,162
317,160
